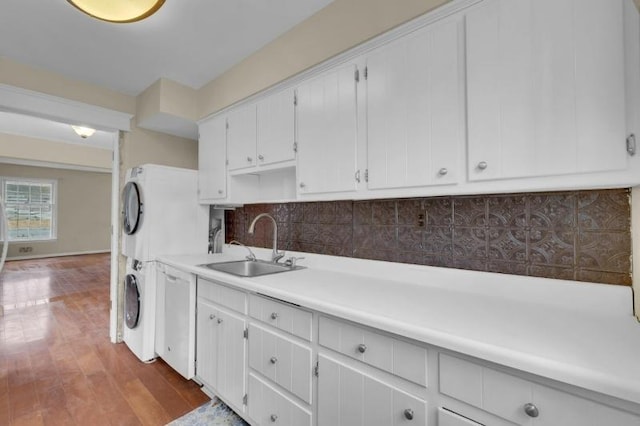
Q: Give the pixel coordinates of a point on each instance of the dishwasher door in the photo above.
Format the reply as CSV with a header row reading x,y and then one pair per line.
x,y
176,319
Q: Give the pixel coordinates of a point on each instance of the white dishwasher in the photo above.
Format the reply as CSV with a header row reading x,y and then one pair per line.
x,y
176,319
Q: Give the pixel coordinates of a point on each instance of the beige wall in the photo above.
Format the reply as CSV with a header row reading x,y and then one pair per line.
x,y
32,149
84,215
146,146
338,27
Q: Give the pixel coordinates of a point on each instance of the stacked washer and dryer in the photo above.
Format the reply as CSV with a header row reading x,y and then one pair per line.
x,y
161,216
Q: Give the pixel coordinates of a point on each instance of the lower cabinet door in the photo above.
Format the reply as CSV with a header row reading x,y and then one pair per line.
x,y
448,418
267,406
207,338
231,353
348,397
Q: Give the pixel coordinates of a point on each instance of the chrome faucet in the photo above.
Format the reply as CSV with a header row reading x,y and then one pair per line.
x,y
276,255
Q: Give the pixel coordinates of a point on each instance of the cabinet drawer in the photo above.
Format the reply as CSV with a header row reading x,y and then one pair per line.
x,y
396,356
282,360
281,316
222,295
449,418
268,406
513,398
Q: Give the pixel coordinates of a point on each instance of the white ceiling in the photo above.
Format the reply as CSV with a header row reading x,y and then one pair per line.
x,y
188,41
25,125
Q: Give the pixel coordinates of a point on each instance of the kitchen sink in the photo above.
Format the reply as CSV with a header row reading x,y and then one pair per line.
x,y
250,268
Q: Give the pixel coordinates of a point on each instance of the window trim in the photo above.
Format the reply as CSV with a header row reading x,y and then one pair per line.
x,y
54,206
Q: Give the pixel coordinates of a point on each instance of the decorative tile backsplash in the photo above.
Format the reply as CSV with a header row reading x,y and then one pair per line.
x,y
577,235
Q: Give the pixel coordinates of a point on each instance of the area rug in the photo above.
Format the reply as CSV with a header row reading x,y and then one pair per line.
x,y
212,413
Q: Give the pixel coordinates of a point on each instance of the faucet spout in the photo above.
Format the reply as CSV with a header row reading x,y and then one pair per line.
x,y
275,255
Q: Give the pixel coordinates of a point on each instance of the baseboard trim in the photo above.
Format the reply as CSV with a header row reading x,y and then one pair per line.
x,y
43,256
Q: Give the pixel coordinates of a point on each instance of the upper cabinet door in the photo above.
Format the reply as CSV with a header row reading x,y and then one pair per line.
x,y
276,125
415,108
328,132
241,137
212,157
545,87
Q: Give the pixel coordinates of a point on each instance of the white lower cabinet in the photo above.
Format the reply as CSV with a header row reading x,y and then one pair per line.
x,y
221,349
349,397
268,406
449,418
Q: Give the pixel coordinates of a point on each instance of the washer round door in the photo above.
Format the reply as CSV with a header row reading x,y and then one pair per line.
x,y
132,213
131,301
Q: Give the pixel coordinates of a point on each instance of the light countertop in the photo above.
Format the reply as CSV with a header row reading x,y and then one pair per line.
x,y
578,333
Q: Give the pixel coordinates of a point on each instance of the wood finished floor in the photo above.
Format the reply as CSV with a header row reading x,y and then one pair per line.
x,y
57,365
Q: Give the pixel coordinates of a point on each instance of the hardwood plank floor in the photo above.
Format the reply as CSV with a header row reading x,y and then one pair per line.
x,y
57,365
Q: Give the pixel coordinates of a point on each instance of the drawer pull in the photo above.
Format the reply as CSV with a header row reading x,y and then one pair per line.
x,y
482,165
273,418
531,410
211,316
219,320
362,348
274,315
408,414
273,360
443,171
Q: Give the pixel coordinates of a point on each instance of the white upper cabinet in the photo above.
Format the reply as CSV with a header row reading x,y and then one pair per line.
x,y
276,125
212,156
546,88
415,108
328,132
241,137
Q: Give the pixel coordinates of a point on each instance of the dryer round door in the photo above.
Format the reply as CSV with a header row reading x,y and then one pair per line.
x,y
132,213
131,301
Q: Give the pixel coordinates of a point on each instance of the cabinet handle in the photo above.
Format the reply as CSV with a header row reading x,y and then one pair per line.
x,y
274,315
273,418
261,157
220,191
219,320
302,185
273,360
362,348
482,165
408,414
211,316
531,410
358,176
443,171
249,159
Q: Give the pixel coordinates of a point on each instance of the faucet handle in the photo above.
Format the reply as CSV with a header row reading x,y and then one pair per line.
x,y
291,262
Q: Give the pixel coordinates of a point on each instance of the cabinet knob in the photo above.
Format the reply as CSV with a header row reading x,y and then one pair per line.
x,y
211,316
273,360
362,348
482,165
274,315
273,418
219,320
220,191
443,171
408,414
531,410
302,185
261,157
168,348
249,160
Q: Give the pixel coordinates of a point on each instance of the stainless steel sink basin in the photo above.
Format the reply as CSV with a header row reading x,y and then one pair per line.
x,y
250,268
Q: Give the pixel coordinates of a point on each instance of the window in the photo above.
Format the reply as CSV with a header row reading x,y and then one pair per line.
x,y
31,208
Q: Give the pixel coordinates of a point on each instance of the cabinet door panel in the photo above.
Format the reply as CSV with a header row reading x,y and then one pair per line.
x,y
327,132
212,157
414,108
545,88
207,338
231,357
241,137
448,418
276,121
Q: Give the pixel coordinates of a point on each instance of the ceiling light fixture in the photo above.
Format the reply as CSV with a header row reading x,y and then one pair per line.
x,y
118,11
83,132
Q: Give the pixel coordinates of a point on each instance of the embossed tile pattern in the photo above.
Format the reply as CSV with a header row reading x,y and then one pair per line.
x,y
574,235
